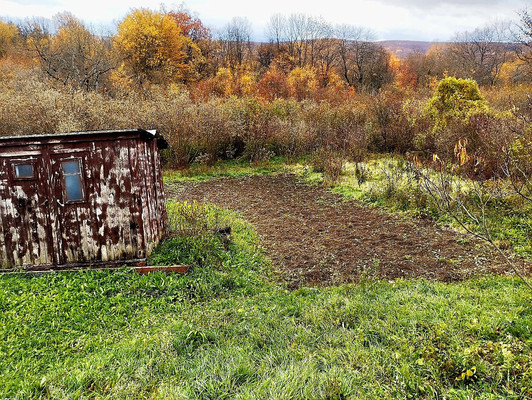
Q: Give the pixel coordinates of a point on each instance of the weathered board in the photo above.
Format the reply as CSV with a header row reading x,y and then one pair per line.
x,y
79,198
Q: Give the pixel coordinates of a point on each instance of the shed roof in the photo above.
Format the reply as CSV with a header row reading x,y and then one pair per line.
x,y
84,136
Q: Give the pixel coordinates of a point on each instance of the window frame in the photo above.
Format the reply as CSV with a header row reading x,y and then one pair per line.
x,y
16,163
81,174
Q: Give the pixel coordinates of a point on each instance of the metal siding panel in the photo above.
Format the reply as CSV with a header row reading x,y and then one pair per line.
x,y
123,246
89,226
159,190
56,224
137,240
116,200
41,241
148,181
124,212
5,260
144,193
136,206
100,208
108,185
47,208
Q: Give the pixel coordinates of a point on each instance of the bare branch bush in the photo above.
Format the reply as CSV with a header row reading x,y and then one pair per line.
x,y
517,162
466,202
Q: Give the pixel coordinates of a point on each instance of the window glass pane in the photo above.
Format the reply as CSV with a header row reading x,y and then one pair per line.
x,y
73,187
71,167
24,171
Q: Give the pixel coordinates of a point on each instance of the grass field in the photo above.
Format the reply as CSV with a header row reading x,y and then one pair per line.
x,y
227,330
223,335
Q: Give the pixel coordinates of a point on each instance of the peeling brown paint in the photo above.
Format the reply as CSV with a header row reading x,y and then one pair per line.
x,y
121,215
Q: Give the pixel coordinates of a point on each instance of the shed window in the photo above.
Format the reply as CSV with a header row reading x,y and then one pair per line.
x,y
73,182
24,171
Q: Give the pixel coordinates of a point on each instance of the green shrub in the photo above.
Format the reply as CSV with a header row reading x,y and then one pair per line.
x,y
455,99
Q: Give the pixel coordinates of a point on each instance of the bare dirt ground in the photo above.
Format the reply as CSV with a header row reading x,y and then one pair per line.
x,y
314,237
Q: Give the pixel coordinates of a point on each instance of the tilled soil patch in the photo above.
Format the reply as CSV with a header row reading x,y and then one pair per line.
x,y
314,237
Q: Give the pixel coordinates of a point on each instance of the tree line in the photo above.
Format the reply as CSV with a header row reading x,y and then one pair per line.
x,y
304,55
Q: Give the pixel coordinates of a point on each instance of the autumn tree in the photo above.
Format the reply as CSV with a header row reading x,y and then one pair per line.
x,y
200,35
154,49
522,35
326,56
190,26
320,51
9,34
276,30
222,83
304,36
362,63
266,53
404,75
427,67
481,53
302,82
235,43
273,84
305,41
73,56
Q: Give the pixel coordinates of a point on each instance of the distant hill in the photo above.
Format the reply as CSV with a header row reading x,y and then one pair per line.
x,y
403,48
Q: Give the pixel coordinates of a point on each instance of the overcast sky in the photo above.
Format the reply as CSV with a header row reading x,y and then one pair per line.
x,y
428,20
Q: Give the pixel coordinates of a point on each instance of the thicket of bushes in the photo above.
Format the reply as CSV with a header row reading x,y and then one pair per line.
x,y
394,120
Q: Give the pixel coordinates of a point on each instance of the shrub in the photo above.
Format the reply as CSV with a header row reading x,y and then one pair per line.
x,y
391,130
330,163
455,99
458,111
193,236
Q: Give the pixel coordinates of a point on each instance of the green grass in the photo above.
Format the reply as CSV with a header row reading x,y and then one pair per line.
x,y
232,168
225,331
119,335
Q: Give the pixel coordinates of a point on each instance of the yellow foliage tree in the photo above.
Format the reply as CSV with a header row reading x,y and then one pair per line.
x,y
302,82
514,71
244,83
222,83
8,36
154,50
73,56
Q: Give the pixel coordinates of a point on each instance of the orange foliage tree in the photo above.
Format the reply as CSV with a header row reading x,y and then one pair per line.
x,y
404,75
193,28
190,26
155,50
273,84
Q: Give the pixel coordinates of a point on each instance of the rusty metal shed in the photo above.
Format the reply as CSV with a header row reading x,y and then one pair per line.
x,y
80,199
